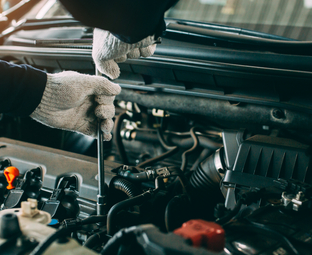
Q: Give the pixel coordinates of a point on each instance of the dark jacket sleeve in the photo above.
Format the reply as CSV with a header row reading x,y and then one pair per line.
x,y
130,20
21,88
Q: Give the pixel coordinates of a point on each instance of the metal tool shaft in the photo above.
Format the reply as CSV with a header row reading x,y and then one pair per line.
x,y
101,197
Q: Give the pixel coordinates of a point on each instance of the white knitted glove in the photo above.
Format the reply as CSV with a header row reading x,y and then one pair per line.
x,y
108,50
73,101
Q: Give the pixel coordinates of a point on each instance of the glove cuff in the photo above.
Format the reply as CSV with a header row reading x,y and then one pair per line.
x,y
47,105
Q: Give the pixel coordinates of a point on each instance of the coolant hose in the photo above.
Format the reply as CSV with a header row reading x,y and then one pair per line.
x,y
95,239
125,186
113,244
165,155
135,177
172,214
113,212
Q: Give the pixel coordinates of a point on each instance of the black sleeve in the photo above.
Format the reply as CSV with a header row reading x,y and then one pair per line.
x,y
130,20
21,88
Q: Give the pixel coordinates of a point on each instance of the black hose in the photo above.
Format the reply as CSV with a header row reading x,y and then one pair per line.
x,y
135,177
112,214
263,230
206,178
113,244
63,231
203,155
204,142
151,161
94,219
161,138
195,145
95,239
173,217
41,247
225,219
171,150
125,186
168,220
176,140
117,138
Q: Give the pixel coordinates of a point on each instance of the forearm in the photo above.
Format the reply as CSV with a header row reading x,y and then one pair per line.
x,y
130,21
21,88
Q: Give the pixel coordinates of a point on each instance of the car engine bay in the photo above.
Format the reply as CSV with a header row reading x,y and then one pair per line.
x,y
168,190
211,149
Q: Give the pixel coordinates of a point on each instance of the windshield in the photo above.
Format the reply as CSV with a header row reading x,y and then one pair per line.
x,y
287,18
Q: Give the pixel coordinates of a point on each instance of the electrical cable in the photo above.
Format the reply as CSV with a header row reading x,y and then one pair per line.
x,y
151,161
161,138
225,219
203,155
41,247
65,230
176,140
195,145
112,214
171,151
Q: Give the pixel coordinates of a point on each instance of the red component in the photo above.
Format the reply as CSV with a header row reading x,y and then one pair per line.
x,y
10,174
203,234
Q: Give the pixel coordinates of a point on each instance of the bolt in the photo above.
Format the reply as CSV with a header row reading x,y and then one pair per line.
x,y
278,114
265,127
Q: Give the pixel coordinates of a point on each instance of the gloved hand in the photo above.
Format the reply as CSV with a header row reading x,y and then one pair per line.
x,y
108,50
73,101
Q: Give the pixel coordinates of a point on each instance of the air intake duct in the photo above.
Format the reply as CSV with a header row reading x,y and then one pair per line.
x,y
207,177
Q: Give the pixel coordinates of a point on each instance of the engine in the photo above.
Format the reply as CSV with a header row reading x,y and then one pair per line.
x,y
172,185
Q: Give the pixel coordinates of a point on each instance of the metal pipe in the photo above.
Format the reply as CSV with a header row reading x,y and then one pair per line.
x,y
220,110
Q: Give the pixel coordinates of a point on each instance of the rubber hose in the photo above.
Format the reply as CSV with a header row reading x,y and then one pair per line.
x,y
41,247
94,219
125,186
114,243
112,214
151,161
203,155
95,239
135,177
206,177
171,218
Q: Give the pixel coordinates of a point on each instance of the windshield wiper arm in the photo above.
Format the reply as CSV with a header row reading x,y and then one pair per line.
x,y
31,24
233,40
232,29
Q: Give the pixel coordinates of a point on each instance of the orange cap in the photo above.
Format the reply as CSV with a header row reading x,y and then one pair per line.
x,y
11,173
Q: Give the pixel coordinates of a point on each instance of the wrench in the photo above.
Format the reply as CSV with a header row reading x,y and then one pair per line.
x,y
102,196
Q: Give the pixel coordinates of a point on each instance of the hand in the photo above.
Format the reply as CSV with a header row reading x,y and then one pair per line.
x,y
108,50
73,101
